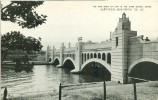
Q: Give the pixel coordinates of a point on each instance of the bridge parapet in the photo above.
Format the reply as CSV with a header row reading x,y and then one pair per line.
x,y
57,51
135,49
97,50
150,49
72,49
140,48
93,46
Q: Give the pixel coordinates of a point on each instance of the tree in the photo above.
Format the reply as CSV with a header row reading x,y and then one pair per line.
x,y
22,13
16,41
32,44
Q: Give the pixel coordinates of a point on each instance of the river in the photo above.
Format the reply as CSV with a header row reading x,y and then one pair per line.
x,y
42,78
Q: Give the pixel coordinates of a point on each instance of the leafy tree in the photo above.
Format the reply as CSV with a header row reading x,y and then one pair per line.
x,y
32,44
22,13
17,41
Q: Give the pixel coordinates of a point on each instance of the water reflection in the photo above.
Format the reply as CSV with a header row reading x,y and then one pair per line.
x,y
43,78
27,68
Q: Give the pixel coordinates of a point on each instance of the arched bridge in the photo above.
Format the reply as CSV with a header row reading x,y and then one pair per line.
x,y
122,55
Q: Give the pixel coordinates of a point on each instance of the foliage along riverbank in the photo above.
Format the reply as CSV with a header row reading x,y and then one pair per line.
x,y
94,91
34,62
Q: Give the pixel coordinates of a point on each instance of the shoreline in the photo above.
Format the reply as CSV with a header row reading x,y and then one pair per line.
x,y
34,62
94,91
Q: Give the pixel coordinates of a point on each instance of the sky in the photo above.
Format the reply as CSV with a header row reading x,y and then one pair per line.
x,y
68,20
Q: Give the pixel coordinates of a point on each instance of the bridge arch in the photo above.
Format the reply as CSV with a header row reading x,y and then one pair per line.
x,y
108,67
56,61
69,63
146,68
97,68
141,60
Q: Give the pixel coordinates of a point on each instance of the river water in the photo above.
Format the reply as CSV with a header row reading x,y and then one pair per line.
x,y
42,78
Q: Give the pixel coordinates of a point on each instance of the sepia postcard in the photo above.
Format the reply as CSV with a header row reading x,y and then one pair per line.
x,y
79,50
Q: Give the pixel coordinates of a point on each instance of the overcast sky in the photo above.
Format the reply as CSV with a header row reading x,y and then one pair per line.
x,y
68,20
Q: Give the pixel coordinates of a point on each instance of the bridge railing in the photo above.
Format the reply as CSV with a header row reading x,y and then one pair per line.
x,y
69,49
96,46
150,49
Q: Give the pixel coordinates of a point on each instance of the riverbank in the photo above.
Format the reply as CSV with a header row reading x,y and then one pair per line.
x,y
94,91
34,62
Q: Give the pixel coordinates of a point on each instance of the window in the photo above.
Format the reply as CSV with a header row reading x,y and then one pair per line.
x,y
109,58
116,41
103,57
